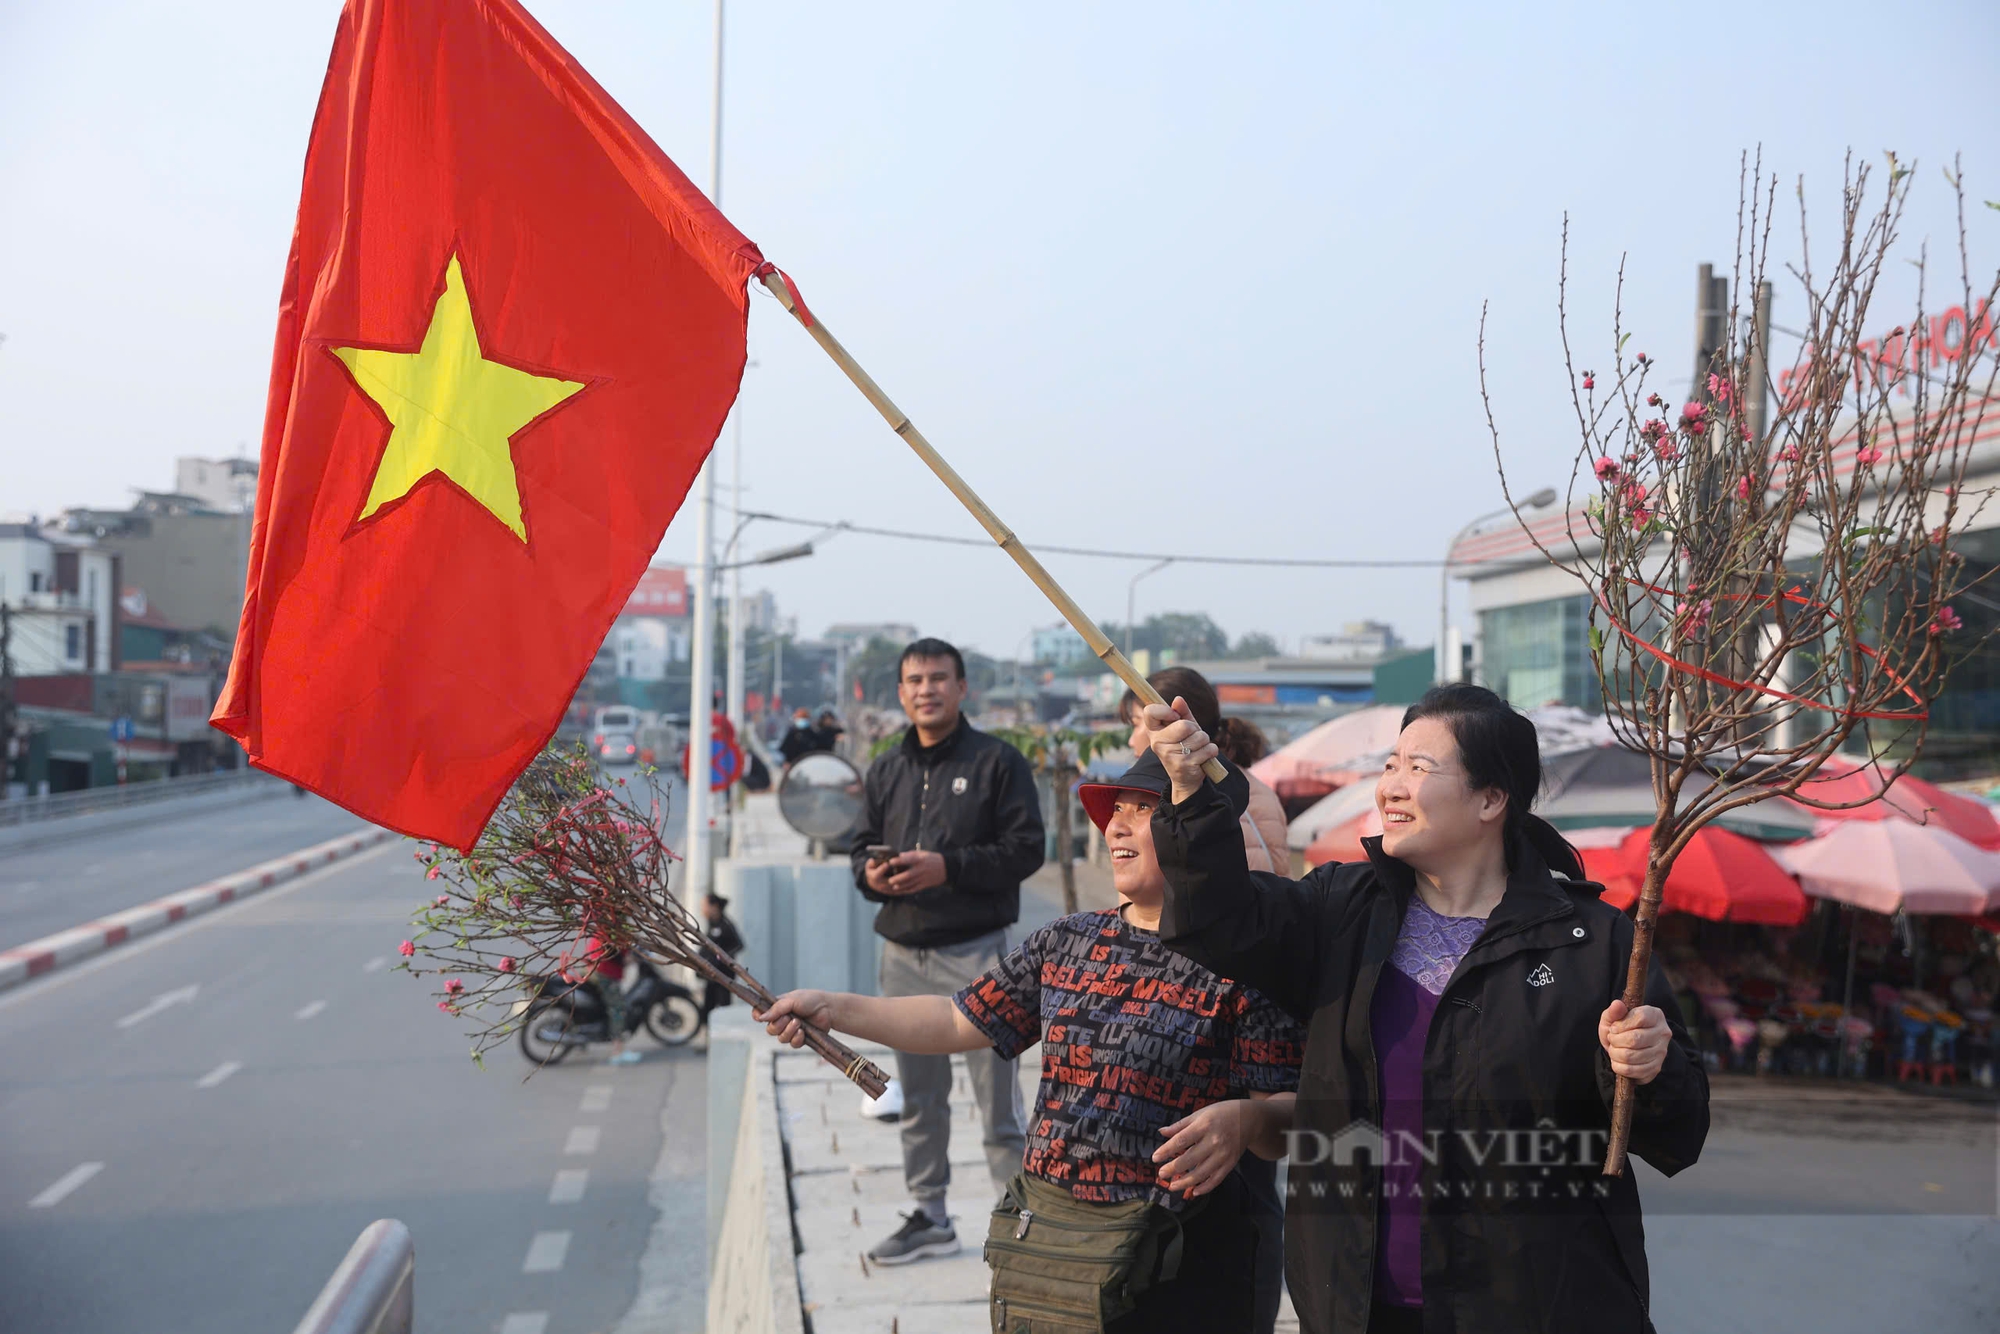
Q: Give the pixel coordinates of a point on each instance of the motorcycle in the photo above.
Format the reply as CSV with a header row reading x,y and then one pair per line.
x,y
560,1016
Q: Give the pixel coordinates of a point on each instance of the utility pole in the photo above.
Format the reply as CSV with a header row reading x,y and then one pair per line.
x,y
733,681
701,686
7,739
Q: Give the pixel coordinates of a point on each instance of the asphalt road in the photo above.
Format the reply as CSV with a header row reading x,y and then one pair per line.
x,y
52,888
200,1162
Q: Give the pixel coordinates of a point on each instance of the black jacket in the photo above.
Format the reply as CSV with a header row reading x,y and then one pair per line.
x,y
1519,1232
971,797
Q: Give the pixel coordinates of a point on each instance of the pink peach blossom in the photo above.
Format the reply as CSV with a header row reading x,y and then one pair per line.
x,y
406,949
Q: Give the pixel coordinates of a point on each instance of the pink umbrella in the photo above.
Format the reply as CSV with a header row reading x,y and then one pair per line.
x,y
1318,762
1891,865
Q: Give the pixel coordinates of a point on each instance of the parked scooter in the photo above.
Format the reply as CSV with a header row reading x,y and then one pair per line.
x,y
562,1016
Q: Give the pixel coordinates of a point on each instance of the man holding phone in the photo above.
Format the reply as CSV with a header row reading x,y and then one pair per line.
x,y
951,825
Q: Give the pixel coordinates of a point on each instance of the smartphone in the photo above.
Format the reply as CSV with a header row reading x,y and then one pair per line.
x,y
879,853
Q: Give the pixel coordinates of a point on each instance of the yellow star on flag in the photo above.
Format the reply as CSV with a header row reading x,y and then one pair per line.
x,y
451,410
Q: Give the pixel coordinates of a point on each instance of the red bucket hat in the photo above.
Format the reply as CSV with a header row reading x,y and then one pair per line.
x,y
1150,777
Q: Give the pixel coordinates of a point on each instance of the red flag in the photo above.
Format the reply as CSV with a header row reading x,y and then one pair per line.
x,y
509,334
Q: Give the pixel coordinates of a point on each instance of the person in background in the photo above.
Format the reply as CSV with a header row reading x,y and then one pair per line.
x,y
1262,821
601,965
798,739
1241,745
828,731
1157,1076
724,942
951,824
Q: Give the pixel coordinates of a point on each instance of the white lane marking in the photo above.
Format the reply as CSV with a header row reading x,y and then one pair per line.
x,y
569,1185
63,1189
309,1009
582,1139
525,1322
90,967
375,965
546,1253
165,1000
217,1075
596,1098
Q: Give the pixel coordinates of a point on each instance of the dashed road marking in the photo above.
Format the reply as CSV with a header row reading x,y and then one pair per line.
x,y
166,1000
525,1322
217,1075
596,1098
66,1187
546,1253
375,965
309,1010
569,1185
582,1139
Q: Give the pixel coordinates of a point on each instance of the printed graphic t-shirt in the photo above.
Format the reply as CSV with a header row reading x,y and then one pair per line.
x,y
1134,1037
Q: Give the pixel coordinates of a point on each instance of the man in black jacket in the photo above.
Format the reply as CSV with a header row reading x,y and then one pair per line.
x,y
959,813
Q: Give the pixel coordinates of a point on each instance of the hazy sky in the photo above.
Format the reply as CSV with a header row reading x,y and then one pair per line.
x,y
1200,279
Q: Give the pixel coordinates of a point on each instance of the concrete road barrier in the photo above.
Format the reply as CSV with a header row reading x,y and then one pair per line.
x,y
37,957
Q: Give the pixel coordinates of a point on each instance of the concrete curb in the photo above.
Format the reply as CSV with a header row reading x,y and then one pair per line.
x,y
38,957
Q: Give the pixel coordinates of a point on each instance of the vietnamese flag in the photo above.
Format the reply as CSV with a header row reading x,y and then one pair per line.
x,y
509,334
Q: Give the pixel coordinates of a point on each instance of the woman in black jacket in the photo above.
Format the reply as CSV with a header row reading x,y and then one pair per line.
x,y
1461,990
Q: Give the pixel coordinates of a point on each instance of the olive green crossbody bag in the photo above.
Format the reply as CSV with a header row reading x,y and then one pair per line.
x,y
1061,1266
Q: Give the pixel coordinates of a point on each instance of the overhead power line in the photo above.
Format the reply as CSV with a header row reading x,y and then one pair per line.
x,y
842,526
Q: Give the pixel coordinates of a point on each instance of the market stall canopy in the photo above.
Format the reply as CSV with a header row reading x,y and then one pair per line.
x,y
1324,758
1720,876
1889,866
1585,807
1335,808
1342,842
1910,799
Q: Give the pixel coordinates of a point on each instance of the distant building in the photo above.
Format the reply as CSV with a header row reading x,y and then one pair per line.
x,y
1059,645
1357,641
643,646
661,591
61,593
760,612
853,635
189,556
228,485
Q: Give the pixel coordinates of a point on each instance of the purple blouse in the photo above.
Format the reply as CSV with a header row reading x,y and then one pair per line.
x,y
1427,952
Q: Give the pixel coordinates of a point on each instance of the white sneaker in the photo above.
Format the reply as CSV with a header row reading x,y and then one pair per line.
x,y
888,1107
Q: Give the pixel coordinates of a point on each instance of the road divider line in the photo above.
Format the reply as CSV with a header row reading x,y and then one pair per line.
x,y
582,1139
217,1075
569,1185
525,1322
596,1098
309,1010
164,1001
546,1253
68,1185
37,957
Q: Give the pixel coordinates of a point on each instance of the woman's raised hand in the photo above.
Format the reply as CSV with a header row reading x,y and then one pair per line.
x,y
1181,745
781,1021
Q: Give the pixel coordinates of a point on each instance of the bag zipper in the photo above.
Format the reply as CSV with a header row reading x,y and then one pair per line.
x,y
1027,1217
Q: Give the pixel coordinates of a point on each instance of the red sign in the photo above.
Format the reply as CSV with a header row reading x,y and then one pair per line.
x,y
662,591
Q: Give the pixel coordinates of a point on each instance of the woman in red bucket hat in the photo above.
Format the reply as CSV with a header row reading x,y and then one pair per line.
x,y
1156,1076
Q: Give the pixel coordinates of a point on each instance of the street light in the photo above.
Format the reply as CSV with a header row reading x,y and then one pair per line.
x,y
1440,673
1131,594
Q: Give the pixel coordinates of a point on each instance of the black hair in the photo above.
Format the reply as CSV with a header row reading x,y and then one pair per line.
x,y
1241,743
931,648
1499,748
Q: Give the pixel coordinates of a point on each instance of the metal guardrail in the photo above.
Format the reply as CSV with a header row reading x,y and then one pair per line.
x,y
373,1291
56,805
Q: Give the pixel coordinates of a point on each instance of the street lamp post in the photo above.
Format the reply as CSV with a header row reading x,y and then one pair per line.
x,y
1440,672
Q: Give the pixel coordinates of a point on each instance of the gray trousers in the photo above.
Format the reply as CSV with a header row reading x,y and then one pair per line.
x,y
996,1087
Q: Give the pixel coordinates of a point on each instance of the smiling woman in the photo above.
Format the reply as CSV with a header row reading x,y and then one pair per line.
x,y
1463,976
1157,1076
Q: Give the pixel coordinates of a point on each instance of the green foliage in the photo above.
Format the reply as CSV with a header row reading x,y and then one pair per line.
x,y
1048,747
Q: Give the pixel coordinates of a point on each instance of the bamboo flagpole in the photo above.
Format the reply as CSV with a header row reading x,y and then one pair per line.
x,y
1106,651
